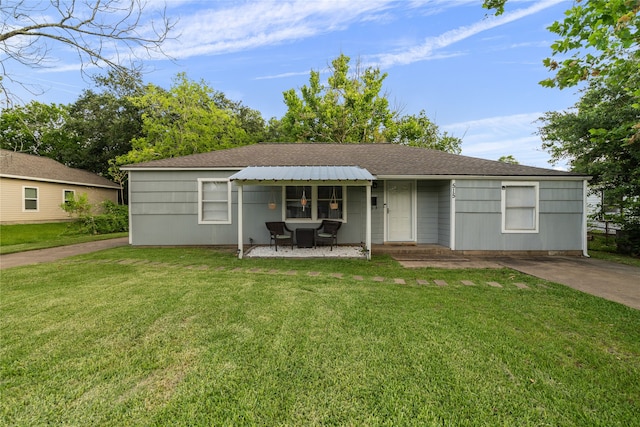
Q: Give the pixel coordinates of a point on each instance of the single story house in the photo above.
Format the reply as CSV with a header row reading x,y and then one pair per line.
x,y
32,188
382,194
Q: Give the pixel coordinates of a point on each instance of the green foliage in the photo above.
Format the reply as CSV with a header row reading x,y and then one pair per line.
x,y
78,206
600,36
113,219
186,119
350,108
104,123
509,159
496,5
38,128
419,131
86,134
628,240
599,137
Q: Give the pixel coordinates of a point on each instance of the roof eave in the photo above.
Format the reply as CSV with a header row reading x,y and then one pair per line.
x,y
58,181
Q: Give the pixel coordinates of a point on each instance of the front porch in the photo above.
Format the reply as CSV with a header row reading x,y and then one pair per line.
x,y
343,251
399,252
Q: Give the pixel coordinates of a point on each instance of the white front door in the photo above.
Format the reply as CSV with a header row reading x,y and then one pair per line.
x,y
400,211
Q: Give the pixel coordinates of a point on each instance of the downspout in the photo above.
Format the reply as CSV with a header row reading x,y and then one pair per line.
x,y
368,221
585,249
452,215
129,210
240,216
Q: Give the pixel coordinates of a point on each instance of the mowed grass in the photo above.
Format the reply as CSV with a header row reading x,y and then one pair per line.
x,y
26,237
196,337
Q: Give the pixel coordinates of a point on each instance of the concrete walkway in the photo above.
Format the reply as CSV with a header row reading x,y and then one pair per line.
x,y
615,282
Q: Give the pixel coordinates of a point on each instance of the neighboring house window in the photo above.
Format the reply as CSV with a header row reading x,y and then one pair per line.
x,y
30,198
214,201
68,196
520,207
314,202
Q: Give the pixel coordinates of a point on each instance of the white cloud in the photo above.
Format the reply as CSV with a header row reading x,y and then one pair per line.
x,y
494,137
255,24
426,50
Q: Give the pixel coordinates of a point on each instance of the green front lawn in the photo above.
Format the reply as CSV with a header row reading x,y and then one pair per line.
x,y
26,237
196,337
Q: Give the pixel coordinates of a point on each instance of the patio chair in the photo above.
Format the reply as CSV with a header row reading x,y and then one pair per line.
x,y
278,235
328,232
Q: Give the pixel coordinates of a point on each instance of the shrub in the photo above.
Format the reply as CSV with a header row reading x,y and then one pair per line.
x,y
628,239
114,219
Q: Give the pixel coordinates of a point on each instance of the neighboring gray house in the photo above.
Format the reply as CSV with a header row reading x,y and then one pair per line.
x,y
385,194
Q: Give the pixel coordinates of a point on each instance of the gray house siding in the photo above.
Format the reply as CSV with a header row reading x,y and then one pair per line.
x,y
433,212
164,209
444,214
479,218
377,214
427,212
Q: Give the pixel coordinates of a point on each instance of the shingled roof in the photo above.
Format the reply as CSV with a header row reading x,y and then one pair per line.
x,y
37,168
379,159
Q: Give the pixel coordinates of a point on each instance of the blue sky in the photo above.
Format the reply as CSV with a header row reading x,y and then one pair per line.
x,y
475,75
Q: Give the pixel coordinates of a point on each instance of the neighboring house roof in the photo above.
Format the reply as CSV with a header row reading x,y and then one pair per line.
x,y
379,159
37,168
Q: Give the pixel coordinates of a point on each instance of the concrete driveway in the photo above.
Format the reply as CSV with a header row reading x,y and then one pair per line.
x,y
615,282
52,254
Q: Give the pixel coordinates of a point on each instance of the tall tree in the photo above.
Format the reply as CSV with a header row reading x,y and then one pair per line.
x,y
509,159
105,122
39,129
420,131
182,120
349,108
107,33
249,119
599,137
597,38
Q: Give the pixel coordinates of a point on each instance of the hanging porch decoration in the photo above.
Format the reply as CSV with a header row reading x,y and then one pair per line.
x,y
303,200
333,203
272,200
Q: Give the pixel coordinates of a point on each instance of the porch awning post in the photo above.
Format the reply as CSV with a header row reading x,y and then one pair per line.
x,y
368,221
240,250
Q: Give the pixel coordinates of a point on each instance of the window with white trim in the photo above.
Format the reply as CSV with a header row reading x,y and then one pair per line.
x,y
30,199
520,207
214,201
68,196
314,202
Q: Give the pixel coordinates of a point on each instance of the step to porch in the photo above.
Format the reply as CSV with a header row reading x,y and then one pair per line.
x,y
418,252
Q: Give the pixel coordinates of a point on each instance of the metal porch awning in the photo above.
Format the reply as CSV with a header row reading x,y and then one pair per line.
x,y
271,175
352,174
